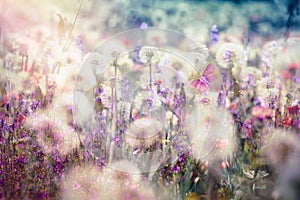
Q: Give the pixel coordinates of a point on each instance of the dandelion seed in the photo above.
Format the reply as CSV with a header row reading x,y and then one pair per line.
x,y
143,132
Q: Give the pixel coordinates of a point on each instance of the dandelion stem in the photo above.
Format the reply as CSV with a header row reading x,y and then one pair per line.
x,y
150,75
73,24
114,113
115,102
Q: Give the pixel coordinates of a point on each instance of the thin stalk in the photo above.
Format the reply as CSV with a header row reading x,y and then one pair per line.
x,y
109,141
46,87
73,24
150,74
116,99
114,114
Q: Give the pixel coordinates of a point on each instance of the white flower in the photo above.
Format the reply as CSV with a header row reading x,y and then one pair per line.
x,y
148,98
255,72
87,182
114,50
231,52
53,134
267,91
212,133
143,132
150,54
280,147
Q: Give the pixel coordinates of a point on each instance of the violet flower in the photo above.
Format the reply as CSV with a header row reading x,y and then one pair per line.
x,y
144,26
125,89
175,169
296,124
99,90
213,36
246,128
293,110
226,55
296,79
250,80
221,98
80,42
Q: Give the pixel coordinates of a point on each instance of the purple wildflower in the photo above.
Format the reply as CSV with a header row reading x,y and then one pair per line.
x,y
21,159
250,79
149,103
226,55
87,154
144,26
181,159
221,98
295,79
264,74
175,169
177,101
116,139
99,100
80,42
296,124
100,161
125,88
213,36
99,90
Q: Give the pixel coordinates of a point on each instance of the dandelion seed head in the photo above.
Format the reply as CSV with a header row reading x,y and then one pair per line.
x,y
212,133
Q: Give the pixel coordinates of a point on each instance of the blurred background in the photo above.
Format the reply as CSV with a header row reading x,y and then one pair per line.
x,y
95,20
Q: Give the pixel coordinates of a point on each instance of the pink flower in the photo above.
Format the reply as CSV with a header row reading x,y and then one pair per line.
x,y
224,165
232,106
286,74
293,110
221,143
293,66
261,112
246,128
